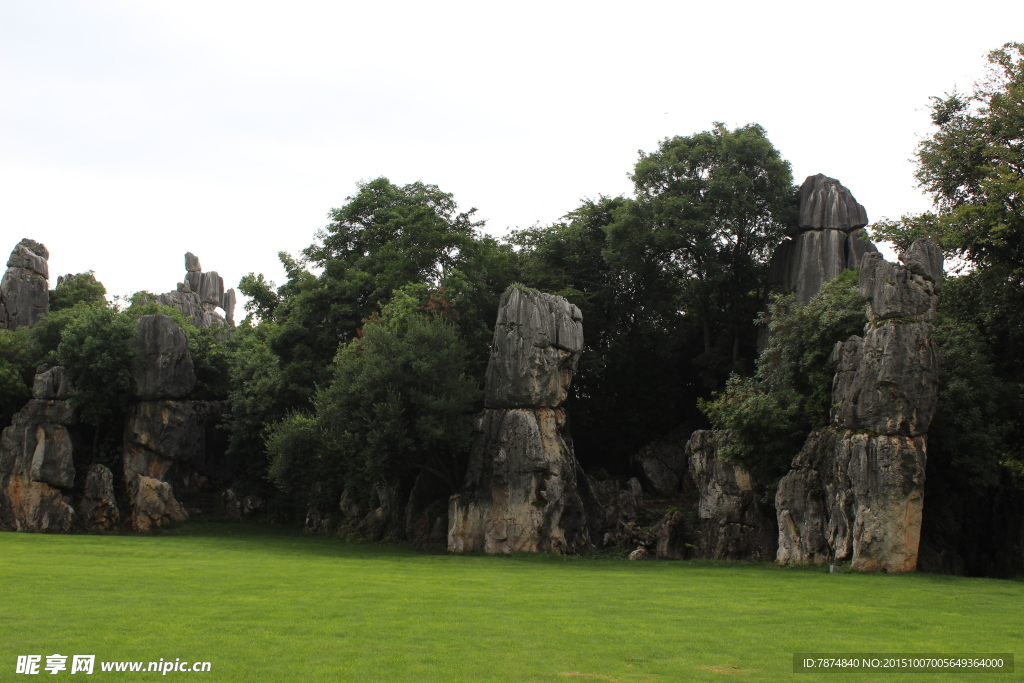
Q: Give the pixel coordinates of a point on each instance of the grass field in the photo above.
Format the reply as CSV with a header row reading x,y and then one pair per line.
x,y
267,605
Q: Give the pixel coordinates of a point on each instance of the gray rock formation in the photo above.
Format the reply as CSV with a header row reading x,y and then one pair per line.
x,y
37,469
24,291
671,536
661,466
613,512
829,238
51,383
521,487
801,265
853,497
199,296
162,367
538,339
826,205
734,524
153,503
856,490
98,509
159,433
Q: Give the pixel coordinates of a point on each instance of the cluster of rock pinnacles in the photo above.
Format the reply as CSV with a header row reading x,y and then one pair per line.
x,y
854,491
170,441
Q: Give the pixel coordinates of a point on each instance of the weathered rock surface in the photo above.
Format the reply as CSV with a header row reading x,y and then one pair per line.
x,y
51,383
37,468
671,537
611,510
161,436
826,204
828,239
734,524
153,504
538,339
521,486
98,509
199,295
162,367
27,505
853,497
801,265
856,490
887,381
661,466
168,429
895,291
24,292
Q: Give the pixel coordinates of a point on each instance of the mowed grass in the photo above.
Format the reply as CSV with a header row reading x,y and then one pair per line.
x,y
268,605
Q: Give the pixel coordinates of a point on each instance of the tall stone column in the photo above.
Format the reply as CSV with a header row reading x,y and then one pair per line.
x,y
856,490
24,292
521,492
161,430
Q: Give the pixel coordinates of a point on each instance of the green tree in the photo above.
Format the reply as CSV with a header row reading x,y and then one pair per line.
x,y
399,401
973,167
82,287
18,354
710,209
771,413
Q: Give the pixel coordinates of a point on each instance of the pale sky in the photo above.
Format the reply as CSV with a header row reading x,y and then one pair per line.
x,y
132,132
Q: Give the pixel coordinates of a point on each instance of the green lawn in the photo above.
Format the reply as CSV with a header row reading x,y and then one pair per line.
x,y
266,605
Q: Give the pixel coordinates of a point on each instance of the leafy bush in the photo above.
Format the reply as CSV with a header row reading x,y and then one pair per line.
x,y
771,413
18,352
80,288
399,401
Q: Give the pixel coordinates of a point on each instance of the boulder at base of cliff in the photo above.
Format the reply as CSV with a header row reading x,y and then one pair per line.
x,y
153,504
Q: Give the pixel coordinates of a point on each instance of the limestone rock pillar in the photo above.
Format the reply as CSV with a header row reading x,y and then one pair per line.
x,y
37,469
521,491
856,490
24,292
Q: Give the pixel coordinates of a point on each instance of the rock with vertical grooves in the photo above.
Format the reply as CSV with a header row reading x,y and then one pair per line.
x,y
671,537
853,497
521,492
37,468
51,383
856,490
887,381
801,265
162,367
825,204
228,304
734,524
894,291
538,339
153,504
199,296
24,291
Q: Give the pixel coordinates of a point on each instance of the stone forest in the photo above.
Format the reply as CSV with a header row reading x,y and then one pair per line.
x,y
723,366
854,491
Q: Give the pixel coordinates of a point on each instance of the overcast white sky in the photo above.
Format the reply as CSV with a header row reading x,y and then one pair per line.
x,y
133,131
